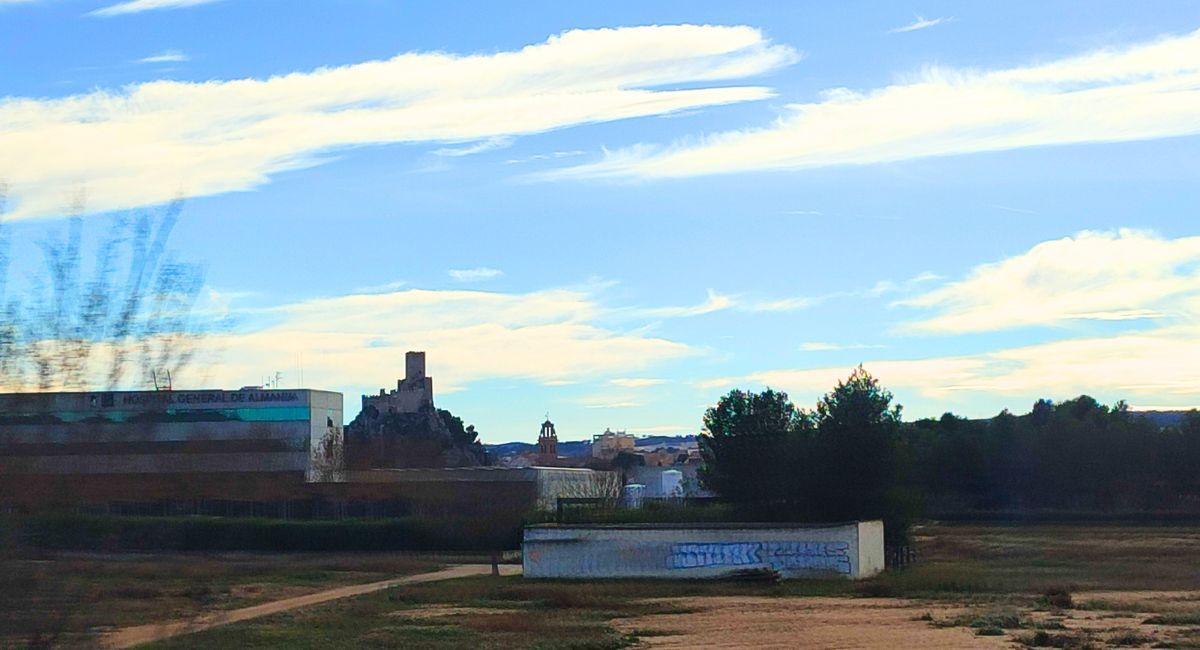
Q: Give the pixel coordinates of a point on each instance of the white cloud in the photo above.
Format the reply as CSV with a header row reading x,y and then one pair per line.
x,y
818,346
663,429
152,142
386,287
1126,275
553,155
1150,90
1094,275
907,286
715,302
610,405
920,23
475,274
166,56
360,340
636,382
483,146
785,304
1162,365
138,6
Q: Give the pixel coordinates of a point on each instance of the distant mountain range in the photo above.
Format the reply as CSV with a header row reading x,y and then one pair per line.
x,y
1164,418
573,448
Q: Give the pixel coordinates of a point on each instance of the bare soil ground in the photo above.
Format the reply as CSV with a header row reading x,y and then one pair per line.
x,y
142,634
974,586
740,622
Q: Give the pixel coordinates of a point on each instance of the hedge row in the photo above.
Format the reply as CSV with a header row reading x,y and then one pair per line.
x,y
113,533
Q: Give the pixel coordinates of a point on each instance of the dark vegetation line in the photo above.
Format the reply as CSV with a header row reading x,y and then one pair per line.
x,y
852,457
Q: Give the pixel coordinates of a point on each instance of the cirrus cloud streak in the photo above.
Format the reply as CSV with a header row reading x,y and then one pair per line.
x,y
152,142
1145,91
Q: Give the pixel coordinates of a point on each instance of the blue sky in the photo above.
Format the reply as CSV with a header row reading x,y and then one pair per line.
x,y
616,212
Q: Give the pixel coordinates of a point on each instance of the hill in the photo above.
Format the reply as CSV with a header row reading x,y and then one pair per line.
x,y
574,448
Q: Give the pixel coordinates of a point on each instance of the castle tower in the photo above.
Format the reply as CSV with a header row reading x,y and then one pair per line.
x,y
547,442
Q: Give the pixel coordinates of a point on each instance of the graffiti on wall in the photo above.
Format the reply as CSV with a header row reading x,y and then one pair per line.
x,y
806,556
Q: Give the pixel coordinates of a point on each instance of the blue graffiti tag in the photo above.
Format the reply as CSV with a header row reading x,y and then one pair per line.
x,y
808,556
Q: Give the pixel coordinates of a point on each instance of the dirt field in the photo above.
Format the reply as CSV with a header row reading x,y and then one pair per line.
x,y
149,633
69,599
974,586
739,622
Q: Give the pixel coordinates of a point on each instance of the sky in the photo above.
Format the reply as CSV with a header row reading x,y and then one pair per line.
x,y
614,213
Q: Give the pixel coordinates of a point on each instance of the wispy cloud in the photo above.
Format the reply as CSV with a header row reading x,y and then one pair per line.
x,y
907,286
817,346
715,302
626,404
153,142
785,304
475,274
168,56
1111,276
636,382
1124,275
553,155
1162,364
138,6
386,287
663,428
920,23
1140,92
358,340
491,144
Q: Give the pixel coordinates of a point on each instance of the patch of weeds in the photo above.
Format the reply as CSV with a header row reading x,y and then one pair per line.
x,y
1049,625
989,631
1057,597
1044,639
651,632
610,642
1002,619
927,616
1174,618
1129,638
875,589
132,592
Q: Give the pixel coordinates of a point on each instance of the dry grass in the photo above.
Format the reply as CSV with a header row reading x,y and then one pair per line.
x,y
1058,586
52,600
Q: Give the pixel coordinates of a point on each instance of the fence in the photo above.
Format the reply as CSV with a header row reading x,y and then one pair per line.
x,y
898,557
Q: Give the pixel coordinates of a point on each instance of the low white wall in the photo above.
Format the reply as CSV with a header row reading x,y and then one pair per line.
x,y
853,550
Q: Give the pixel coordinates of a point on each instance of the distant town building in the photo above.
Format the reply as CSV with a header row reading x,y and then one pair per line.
x,y
607,445
667,482
547,443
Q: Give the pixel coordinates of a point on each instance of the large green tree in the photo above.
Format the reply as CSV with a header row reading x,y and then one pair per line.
x,y
856,456
841,461
746,438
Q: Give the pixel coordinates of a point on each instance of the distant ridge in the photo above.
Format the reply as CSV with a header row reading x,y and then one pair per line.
x,y
1164,418
575,448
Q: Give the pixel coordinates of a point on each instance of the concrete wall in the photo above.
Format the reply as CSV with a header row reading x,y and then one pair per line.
x,y
853,550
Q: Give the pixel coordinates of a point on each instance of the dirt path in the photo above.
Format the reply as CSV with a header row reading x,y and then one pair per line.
x,y
742,622
131,636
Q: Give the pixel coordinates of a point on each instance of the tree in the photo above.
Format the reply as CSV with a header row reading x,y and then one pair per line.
x,y
839,462
80,326
856,458
747,437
